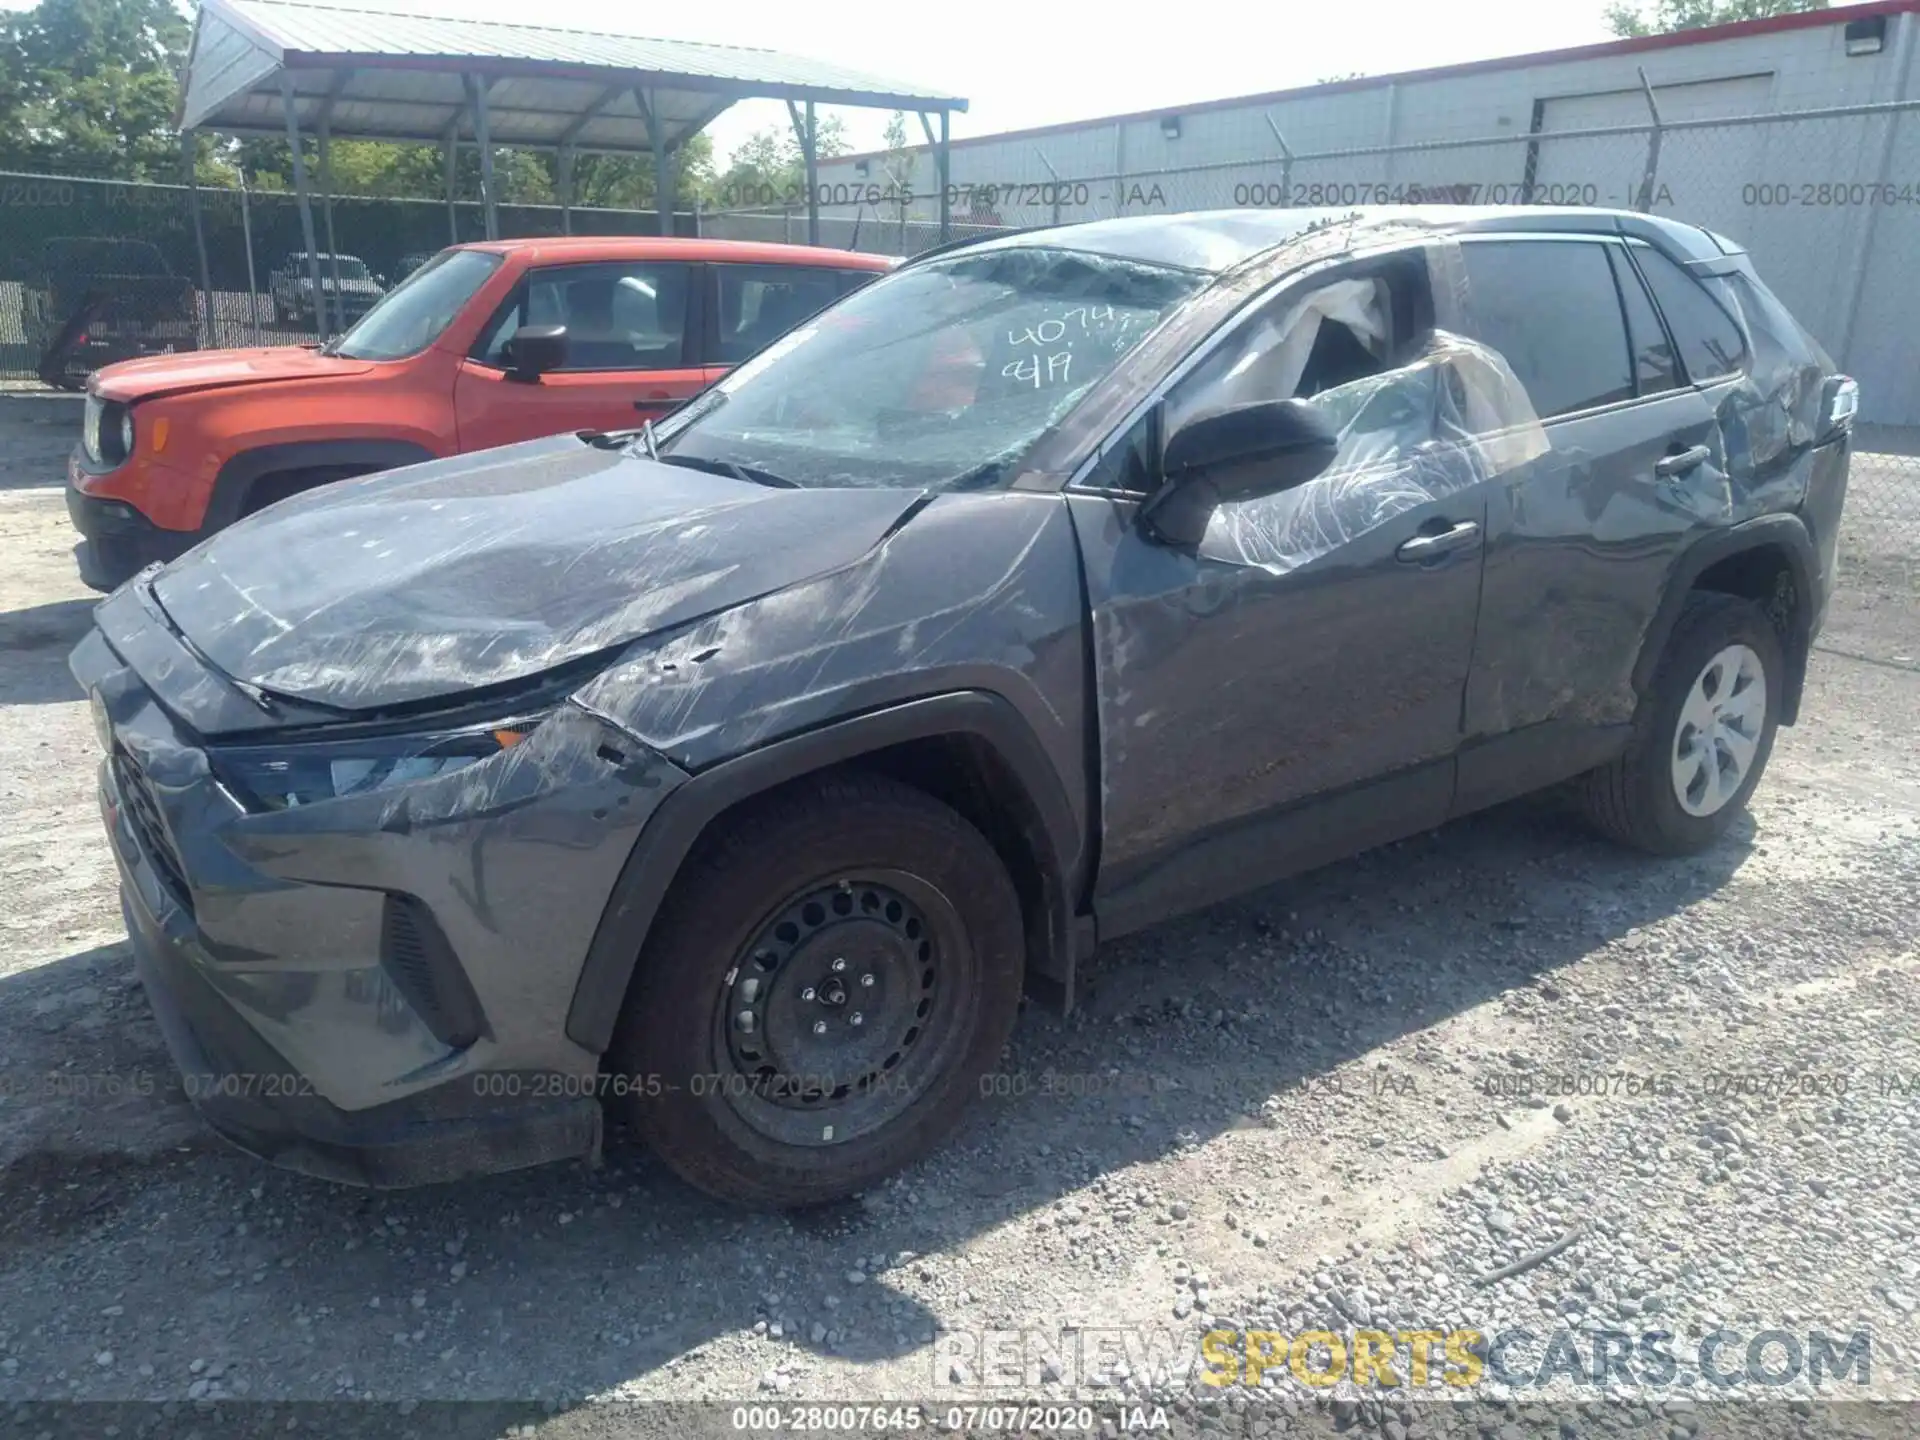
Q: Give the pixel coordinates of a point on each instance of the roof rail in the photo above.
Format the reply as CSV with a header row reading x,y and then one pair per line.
x,y
946,246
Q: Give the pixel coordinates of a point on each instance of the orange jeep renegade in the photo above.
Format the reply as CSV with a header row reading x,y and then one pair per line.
x,y
484,345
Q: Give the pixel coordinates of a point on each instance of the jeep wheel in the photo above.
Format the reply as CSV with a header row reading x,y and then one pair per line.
x,y
821,993
1701,735
272,488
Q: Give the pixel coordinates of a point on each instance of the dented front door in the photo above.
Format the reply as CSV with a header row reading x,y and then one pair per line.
x,y
1290,689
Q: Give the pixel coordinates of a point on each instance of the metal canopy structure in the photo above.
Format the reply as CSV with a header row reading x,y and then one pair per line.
x,y
294,68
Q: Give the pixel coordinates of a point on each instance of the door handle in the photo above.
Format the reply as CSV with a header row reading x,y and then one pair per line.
x,y
1428,547
1667,466
653,400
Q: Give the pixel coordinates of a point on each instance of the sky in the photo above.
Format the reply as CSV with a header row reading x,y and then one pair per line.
x,y
1022,63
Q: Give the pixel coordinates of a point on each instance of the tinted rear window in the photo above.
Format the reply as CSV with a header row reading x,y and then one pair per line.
x,y
1709,341
1653,366
1550,307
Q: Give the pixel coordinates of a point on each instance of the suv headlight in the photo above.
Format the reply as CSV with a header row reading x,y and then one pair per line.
x,y
280,777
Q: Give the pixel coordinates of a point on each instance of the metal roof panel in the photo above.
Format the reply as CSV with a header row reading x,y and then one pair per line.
x,y
301,27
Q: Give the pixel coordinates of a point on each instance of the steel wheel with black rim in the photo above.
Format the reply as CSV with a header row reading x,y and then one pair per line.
x,y
1701,735
822,992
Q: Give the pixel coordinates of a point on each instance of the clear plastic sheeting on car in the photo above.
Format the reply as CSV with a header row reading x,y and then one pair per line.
x,y
1453,417
1272,357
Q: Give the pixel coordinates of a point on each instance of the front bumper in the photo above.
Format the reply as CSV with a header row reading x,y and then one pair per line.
x,y
253,1098
116,540
308,1029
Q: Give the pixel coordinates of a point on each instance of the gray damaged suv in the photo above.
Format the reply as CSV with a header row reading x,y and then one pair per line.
x,y
737,776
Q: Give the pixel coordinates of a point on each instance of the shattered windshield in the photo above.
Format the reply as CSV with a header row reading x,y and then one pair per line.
x,y
938,376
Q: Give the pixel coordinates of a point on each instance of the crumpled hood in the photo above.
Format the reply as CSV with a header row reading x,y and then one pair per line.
x,y
486,568
214,369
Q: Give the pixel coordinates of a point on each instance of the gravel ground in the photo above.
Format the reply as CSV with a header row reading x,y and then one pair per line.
x,y
1340,1105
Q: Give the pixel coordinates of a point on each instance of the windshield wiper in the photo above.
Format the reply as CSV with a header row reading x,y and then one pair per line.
x,y
729,468
646,439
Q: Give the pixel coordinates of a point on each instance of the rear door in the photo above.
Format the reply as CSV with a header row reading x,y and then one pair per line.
x,y
1579,540
751,306
631,352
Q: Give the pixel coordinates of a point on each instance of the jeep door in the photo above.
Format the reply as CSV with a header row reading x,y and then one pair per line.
x,y
1290,689
631,352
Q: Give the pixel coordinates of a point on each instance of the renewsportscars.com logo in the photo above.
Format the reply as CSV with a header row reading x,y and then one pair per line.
x,y
1094,1359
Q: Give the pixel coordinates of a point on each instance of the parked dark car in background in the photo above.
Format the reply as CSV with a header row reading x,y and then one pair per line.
x,y
96,301
738,775
348,287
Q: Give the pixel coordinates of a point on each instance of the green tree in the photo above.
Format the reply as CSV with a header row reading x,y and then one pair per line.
x,y
625,182
1666,16
899,168
768,167
88,87
522,177
91,87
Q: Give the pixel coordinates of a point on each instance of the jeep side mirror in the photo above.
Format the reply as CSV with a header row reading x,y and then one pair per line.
x,y
1238,453
534,350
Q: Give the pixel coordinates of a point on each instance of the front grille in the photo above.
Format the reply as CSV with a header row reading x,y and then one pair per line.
x,y
143,813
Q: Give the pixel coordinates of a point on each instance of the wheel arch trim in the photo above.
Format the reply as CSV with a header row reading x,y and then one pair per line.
x,y
684,816
240,471
1786,533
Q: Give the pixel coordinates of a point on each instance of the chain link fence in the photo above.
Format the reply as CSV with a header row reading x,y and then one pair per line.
x,y
1827,201
94,271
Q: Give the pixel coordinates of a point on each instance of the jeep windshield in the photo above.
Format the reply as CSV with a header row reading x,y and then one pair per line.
x,y
938,376
412,315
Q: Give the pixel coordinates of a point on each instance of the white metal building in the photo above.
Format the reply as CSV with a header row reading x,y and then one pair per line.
x,y
1829,203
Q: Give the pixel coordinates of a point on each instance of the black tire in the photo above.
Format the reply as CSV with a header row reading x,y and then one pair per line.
x,y
1634,798
272,488
676,1046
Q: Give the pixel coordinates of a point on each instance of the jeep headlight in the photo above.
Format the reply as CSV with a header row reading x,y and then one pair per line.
x,y
106,431
90,428
280,777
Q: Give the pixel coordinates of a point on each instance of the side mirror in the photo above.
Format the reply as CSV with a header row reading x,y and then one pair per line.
x,y
1235,454
534,350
